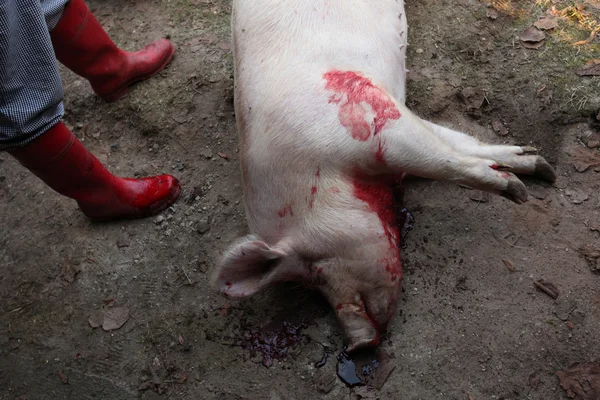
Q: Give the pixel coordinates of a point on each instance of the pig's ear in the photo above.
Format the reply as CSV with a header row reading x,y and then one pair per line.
x,y
246,267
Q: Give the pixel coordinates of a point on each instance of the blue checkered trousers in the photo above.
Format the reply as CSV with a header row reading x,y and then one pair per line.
x,y
31,90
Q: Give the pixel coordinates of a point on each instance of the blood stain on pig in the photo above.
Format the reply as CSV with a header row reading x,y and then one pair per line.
x,y
286,210
351,91
379,197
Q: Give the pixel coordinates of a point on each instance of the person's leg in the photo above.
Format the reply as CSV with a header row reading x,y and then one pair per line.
x,y
82,45
31,91
64,164
30,128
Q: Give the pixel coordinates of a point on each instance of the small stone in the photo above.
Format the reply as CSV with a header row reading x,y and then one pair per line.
x,y
419,51
202,226
159,220
123,240
202,266
499,128
206,153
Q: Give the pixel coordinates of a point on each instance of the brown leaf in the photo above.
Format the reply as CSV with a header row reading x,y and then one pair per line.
x,y
95,320
581,381
115,318
479,196
109,302
589,251
63,378
223,155
547,287
386,367
590,69
225,310
546,23
183,378
180,340
533,380
582,159
69,272
532,38
14,344
509,264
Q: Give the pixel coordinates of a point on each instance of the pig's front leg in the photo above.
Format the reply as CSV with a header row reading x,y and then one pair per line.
x,y
520,160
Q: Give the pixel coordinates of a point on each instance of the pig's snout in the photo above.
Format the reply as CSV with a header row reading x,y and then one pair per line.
x,y
363,323
360,330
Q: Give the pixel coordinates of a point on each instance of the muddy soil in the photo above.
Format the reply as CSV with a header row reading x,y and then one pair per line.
x,y
467,326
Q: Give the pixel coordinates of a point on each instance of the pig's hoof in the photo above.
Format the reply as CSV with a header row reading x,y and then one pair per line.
x,y
529,150
544,170
515,191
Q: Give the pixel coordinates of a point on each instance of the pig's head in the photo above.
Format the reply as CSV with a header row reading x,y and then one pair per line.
x,y
353,259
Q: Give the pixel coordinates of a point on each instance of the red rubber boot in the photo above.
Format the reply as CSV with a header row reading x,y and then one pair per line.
x,y
63,163
84,47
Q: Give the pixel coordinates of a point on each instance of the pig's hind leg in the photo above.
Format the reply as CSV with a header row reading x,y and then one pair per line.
x,y
516,159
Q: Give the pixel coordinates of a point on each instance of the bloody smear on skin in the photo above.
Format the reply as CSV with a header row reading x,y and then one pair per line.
x,y
351,91
274,344
287,210
385,198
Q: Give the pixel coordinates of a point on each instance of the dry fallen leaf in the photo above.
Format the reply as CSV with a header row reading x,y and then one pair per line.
x,y
509,264
581,381
69,272
63,378
583,159
532,38
183,378
109,302
115,318
592,68
95,320
534,380
479,196
546,23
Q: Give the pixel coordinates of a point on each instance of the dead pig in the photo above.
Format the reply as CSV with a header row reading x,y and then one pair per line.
x,y
323,129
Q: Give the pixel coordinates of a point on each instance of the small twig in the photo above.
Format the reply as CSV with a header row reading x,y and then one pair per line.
x,y
186,275
470,397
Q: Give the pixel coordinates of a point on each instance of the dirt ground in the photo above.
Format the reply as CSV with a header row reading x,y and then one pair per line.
x,y
467,326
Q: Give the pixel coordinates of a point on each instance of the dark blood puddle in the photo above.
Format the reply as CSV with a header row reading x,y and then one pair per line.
x,y
275,340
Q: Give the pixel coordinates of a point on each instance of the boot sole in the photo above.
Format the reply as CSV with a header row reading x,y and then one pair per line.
x,y
151,210
119,93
